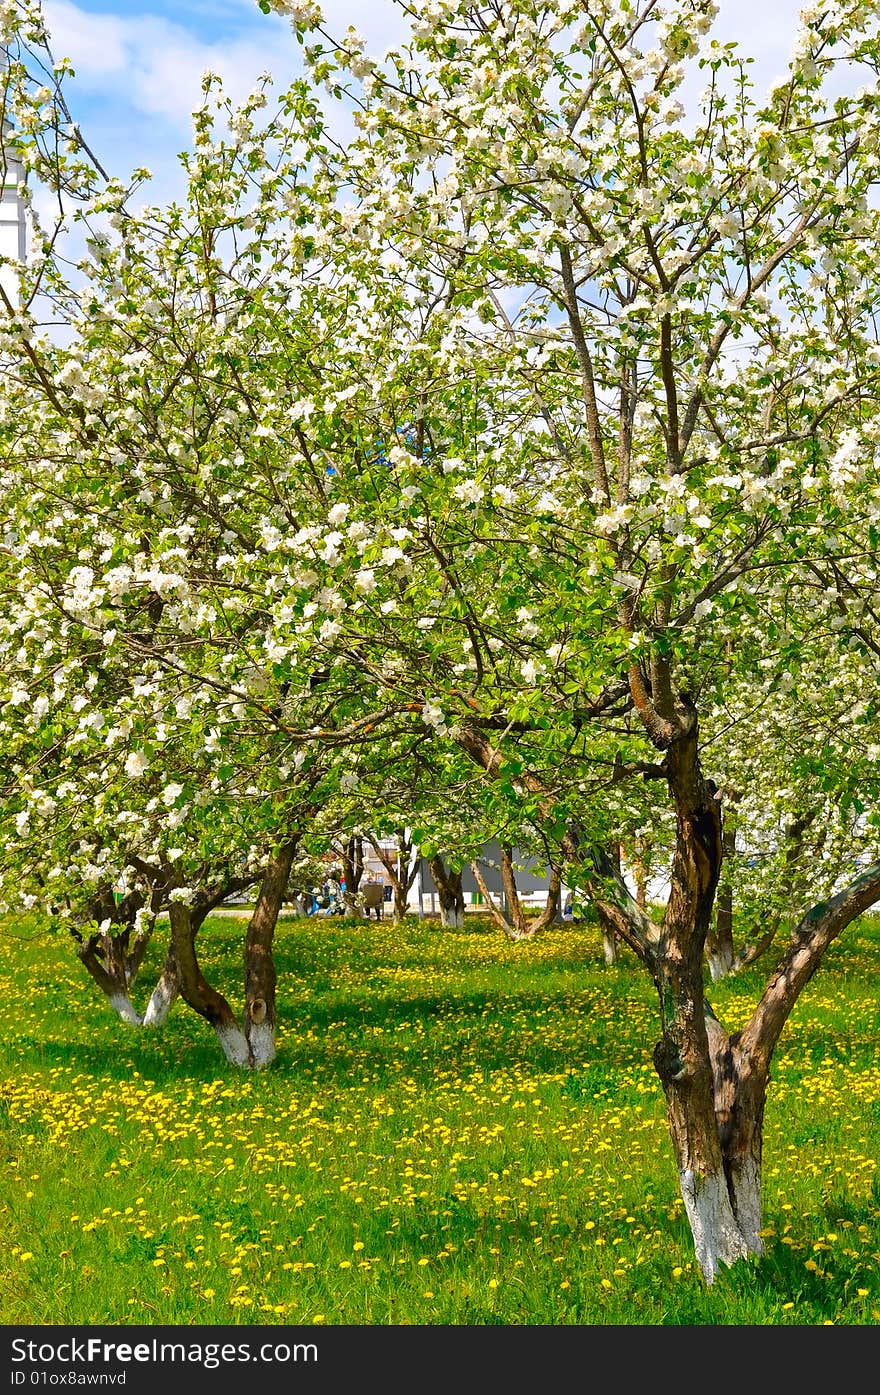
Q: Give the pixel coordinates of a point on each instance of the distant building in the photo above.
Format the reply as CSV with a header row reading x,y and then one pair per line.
x,y
13,240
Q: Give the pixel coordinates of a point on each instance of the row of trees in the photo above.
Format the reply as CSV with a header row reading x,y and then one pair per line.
x,y
509,470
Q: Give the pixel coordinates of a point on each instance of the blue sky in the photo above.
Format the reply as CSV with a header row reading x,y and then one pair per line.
x,y
139,62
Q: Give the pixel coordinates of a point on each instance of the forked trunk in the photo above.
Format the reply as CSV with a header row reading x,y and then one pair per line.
x,y
167,989
401,869
715,1086
495,911
515,925
254,1046
551,905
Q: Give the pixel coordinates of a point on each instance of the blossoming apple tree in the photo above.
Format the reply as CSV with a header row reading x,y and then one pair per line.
x,y
537,422
685,304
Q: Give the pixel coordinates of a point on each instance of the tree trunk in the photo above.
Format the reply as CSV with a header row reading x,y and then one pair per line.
x,y
260,976
742,1063
641,873
516,926
519,926
609,935
401,874
684,1063
165,993
449,890
109,955
715,1085
551,905
609,940
719,941
400,902
103,956
352,871
495,911
198,993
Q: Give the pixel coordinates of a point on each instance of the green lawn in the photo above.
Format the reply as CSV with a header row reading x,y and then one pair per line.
x,y
457,1131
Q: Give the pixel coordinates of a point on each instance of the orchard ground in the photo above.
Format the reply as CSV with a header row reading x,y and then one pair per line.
x,y
457,1130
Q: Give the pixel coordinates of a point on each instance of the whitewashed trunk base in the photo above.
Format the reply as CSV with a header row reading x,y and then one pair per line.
x,y
262,1043
235,1045
122,1004
717,1237
609,948
451,919
748,1202
720,965
162,999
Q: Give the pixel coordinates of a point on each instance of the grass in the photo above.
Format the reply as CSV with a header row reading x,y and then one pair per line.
x,y
457,1131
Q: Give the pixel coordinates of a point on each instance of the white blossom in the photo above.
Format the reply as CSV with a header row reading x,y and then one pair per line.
x,y
135,764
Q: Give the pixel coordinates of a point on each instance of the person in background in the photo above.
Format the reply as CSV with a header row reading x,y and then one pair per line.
x,y
373,892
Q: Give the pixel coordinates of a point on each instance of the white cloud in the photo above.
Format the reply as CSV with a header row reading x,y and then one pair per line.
x,y
155,65
139,69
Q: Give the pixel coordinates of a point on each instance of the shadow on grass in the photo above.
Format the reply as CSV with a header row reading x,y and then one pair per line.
x,y
387,1036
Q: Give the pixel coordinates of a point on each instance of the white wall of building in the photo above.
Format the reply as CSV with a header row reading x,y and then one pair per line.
x,y
13,240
